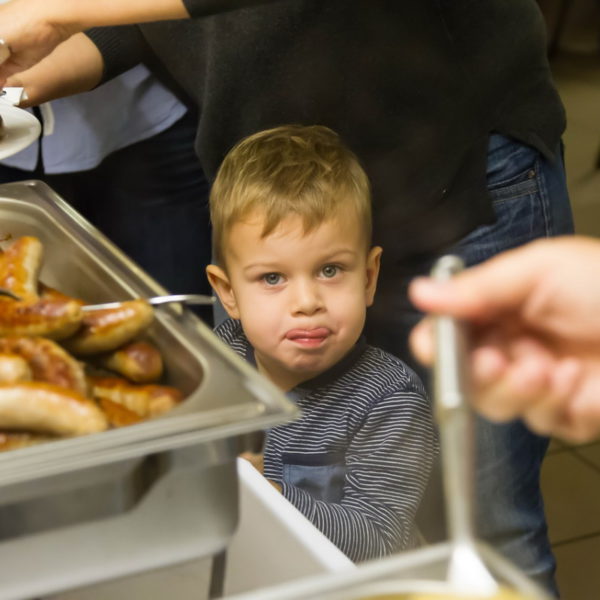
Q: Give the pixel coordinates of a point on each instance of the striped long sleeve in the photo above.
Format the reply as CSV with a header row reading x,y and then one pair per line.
x,y
374,419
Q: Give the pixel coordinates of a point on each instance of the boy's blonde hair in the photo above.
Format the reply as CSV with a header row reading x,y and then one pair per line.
x,y
289,170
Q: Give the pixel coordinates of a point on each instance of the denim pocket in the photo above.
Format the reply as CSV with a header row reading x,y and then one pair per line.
x,y
516,186
509,162
321,475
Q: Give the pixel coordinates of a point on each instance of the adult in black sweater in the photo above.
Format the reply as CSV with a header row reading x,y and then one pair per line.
x,y
449,104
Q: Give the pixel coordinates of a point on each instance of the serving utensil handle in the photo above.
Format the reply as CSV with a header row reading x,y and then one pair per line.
x,y
195,299
453,414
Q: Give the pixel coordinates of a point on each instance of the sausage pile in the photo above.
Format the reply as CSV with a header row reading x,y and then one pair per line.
x,y
46,392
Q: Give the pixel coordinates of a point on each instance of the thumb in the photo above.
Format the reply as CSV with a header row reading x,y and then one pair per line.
x,y
14,81
480,293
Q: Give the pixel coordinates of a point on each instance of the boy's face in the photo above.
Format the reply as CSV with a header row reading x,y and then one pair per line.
x,y
301,298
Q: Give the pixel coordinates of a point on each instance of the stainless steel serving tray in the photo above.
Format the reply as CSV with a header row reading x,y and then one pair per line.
x,y
223,395
78,511
420,571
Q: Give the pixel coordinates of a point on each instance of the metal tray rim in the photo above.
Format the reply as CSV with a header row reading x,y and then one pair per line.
x,y
269,405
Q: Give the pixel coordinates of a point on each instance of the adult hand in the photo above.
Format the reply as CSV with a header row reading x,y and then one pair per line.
x,y
534,314
34,28
255,459
30,31
73,67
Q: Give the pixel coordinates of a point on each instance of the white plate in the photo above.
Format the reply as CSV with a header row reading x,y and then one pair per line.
x,y
21,128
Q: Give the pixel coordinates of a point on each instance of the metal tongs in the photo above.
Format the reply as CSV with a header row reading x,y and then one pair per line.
x,y
466,570
194,299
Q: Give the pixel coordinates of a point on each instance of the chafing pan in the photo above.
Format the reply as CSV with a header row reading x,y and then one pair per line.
x,y
78,511
421,571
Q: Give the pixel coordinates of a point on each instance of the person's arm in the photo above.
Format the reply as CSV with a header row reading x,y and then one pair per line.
x,y
535,325
75,66
387,468
33,28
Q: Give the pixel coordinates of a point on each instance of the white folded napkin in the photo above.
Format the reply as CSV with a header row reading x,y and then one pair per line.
x,y
13,95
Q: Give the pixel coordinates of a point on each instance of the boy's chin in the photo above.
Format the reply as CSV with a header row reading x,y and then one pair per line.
x,y
310,369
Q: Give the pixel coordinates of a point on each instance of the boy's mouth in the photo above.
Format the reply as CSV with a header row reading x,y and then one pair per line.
x,y
308,337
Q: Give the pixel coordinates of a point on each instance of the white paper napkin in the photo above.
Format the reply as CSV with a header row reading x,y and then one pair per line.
x,y
13,95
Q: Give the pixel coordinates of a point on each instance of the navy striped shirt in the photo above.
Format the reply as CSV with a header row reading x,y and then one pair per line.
x,y
368,420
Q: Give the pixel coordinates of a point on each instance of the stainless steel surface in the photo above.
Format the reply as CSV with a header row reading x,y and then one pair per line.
x,y
419,571
193,299
96,507
466,570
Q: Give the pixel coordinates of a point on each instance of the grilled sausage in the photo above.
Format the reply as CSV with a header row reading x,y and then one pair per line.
x,y
20,265
139,362
14,368
143,400
13,440
117,414
48,362
48,408
50,293
55,319
107,329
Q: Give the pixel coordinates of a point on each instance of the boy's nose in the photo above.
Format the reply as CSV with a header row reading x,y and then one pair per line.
x,y
306,298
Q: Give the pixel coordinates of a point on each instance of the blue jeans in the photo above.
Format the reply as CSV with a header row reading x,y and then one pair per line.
x,y
530,201
151,200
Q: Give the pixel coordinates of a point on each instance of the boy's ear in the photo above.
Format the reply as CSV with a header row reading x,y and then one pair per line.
x,y
222,286
373,263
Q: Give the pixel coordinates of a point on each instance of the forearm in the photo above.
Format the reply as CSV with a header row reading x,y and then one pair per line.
x,y
74,66
78,15
358,534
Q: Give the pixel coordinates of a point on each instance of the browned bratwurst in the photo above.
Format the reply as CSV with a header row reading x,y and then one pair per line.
x,y
20,266
47,408
107,329
14,368
54,319
119,415
139,362
142,400
48,362
13,440
43,388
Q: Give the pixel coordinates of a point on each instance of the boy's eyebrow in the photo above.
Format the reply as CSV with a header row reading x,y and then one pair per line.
x,y
340,252
275,264
260,265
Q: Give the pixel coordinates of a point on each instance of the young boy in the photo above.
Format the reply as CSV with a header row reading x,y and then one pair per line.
x,y
291,215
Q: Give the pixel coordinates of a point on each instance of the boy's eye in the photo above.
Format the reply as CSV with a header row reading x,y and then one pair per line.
x,y
330,271
272,278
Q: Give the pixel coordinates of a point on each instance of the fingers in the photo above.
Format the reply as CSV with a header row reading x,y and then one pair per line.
x,y
480,293
256,460
552,380
421,341
581,421
512,376
4,51
509,381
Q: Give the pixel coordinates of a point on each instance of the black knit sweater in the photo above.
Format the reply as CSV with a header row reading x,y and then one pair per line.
x,y
414,87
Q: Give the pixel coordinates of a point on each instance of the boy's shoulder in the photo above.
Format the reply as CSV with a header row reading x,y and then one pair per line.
x,y
231,332
384,370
